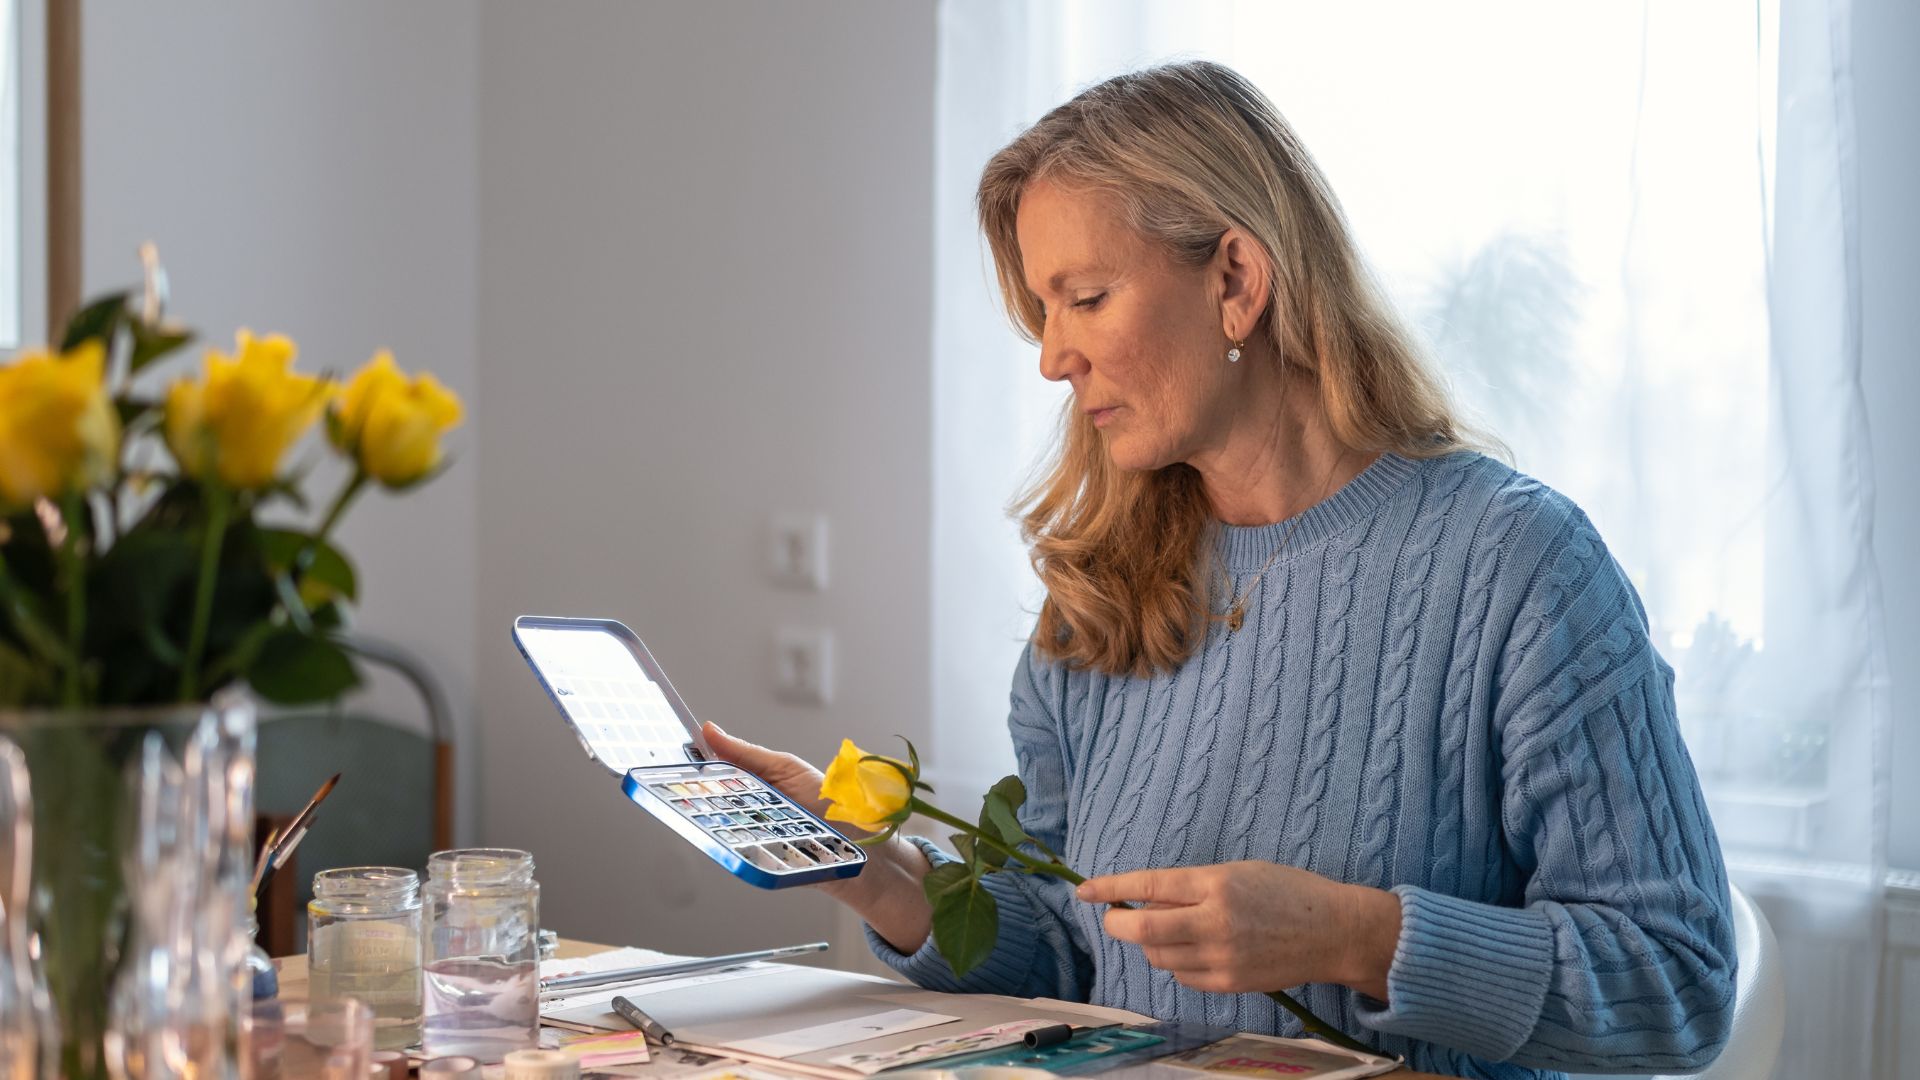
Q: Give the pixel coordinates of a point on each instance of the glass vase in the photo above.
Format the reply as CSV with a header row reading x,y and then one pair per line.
x,y
94,799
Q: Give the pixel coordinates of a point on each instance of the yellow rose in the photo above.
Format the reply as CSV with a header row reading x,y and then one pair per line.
x,y
58,427
390,425
239,420
867,794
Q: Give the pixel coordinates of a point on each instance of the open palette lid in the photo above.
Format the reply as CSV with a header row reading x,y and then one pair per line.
x,y
611,692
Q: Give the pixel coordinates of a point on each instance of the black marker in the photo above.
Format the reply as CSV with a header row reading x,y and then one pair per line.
x,y
642,1022
1047,1036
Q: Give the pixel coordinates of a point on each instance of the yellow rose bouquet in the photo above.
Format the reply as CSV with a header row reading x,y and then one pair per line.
x,y
878,794
137,566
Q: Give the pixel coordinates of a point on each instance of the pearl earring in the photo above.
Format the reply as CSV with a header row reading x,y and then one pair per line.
x,y
1233,354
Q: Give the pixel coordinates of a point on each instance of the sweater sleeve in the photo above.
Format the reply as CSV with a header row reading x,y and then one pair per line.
x,y
1041,951
1621,955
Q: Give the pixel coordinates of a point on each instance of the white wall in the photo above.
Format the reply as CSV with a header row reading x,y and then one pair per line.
x,y
704,298
308,169
676,257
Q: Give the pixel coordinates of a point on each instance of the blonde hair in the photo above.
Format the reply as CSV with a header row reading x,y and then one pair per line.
x,y
1185,152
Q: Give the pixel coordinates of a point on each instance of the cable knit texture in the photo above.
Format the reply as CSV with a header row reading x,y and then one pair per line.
x,y
1444,688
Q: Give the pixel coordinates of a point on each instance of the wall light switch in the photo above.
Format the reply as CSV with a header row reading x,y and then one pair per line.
x,y
803,665
797,551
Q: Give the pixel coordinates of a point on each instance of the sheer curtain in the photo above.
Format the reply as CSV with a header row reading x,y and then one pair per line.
x,y
1628,233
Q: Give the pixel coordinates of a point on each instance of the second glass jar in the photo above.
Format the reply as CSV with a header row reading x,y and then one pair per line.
x,y
482,956
363,941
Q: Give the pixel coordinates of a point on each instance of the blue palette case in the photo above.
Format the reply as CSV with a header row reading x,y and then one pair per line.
x,y
626,714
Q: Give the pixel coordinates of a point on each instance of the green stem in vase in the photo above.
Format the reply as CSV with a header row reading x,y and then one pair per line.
x,y
339,507
219,505
1313,1024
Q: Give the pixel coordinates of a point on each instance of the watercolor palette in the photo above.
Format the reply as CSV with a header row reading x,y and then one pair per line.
x,y
627,716
758,823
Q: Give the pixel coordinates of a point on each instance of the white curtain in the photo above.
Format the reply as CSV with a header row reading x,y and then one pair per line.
x,y
1628,232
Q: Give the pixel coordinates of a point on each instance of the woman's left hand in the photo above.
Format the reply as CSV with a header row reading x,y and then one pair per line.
x,y
1254,926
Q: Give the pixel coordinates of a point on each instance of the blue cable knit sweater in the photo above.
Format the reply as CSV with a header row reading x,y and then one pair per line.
x,y
1445,688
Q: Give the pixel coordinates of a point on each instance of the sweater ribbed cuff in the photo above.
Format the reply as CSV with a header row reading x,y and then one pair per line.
x,y
1006,969
1465,974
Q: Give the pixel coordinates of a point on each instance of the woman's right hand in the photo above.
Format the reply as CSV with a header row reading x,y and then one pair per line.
x,y
794,778
887,893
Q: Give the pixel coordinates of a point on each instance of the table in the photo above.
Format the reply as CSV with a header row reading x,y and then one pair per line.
x,y
293,983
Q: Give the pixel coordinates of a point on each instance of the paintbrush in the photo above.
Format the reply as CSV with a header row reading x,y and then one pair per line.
x,y
296,831
266,857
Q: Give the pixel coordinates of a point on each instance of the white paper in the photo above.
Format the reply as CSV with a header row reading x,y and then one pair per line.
x,y
868,1062
840,1032
668,1063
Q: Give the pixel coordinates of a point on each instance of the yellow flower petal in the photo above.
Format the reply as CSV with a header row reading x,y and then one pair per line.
x,y
58,428
393,426
864,793
244,414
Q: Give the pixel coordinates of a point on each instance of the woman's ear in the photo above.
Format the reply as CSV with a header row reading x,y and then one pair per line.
x,y
1245,276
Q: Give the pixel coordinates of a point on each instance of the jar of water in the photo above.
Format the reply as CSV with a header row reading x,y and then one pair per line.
x,y
482,954
363,941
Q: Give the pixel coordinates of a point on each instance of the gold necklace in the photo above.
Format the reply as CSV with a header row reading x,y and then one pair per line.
x,y
1236,613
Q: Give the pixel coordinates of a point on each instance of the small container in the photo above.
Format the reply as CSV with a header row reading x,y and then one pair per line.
x,y
542,1065
363,941
481,975
450,1068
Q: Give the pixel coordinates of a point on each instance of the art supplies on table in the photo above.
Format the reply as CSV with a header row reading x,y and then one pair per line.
x,y
993,1037
1246,1055
596,1052
810,1038
607,969
1088,1051
617,700
668,1063
647,1026
567,1003
281,842
796,1020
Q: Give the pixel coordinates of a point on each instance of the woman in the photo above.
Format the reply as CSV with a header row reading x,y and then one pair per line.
x,y
1347,703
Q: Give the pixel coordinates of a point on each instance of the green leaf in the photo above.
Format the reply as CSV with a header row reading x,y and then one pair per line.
x,y
295,669
1006,823
245,651
327,573
138,594
967,846
1004,801
97,320
327,617
19,678
966,921
1012,790
990,855
150,343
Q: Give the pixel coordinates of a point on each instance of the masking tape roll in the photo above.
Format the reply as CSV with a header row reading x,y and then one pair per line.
x,y
541,1065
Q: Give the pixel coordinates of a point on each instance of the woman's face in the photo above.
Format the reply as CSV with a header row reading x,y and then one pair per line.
x,y
1140,338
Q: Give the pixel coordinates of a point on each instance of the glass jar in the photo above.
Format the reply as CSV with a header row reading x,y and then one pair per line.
x,y
482,954
363,941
